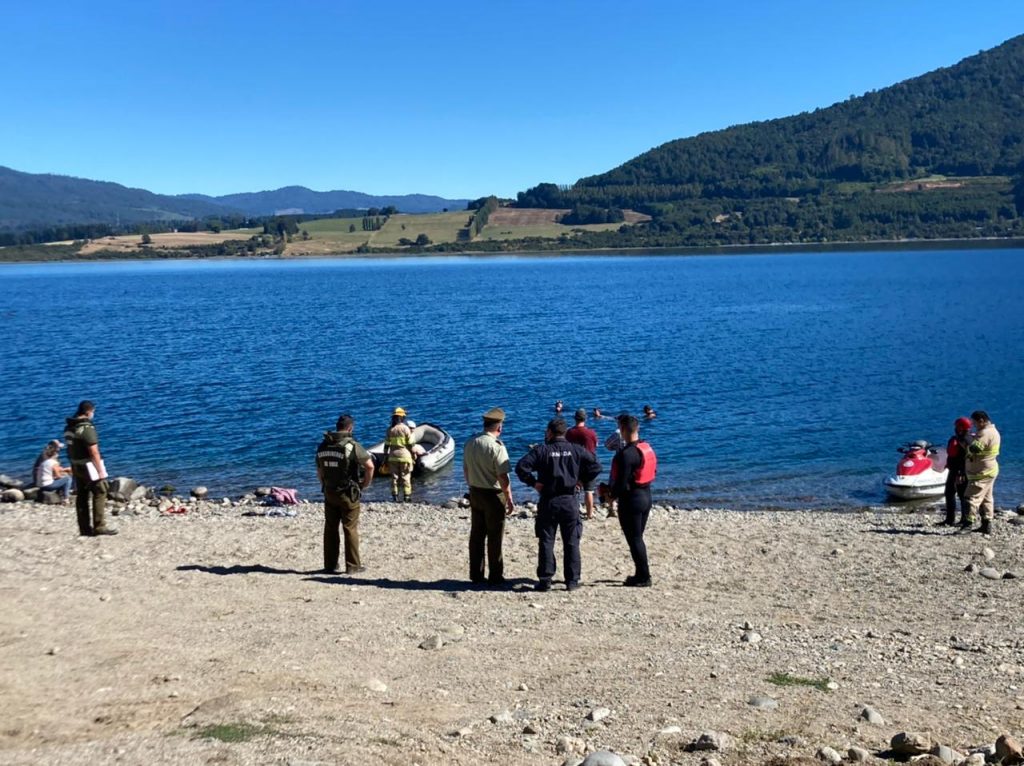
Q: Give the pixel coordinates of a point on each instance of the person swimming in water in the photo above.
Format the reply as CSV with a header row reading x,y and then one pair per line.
x,y
649,413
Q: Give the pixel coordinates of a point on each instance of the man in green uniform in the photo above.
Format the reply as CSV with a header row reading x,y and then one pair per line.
x,y
486,468
345,469
88,470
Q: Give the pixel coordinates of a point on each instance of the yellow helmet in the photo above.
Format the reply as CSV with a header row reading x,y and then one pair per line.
x,y
399,411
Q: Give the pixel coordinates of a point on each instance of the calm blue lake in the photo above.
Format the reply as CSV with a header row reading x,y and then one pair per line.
x,y
780,380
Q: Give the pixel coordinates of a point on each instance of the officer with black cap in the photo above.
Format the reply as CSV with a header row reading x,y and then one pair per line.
x,y
557,469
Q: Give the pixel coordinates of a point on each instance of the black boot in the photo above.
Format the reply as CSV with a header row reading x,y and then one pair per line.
x,y
986,527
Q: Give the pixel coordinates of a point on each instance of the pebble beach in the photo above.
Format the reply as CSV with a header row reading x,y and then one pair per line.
x,y
211,637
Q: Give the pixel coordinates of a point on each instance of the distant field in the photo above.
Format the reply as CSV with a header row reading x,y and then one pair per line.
x,y
329,235
440,227
133,242
515,223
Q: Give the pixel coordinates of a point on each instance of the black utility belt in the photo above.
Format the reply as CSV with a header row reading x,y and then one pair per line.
x,y
486,489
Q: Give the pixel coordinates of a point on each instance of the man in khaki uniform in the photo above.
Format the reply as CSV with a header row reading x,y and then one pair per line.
x,y
486,467
982,470
397,448
345,469
89,472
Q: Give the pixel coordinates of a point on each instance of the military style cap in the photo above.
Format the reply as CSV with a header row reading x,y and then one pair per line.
x,y
495,413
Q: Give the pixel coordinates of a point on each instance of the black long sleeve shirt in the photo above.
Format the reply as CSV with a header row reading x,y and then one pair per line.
x,y
559,466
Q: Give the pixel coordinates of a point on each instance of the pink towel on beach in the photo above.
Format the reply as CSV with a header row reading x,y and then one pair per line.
x,y
284,496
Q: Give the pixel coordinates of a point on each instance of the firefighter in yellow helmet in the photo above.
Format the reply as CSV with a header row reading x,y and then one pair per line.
x,y
398,450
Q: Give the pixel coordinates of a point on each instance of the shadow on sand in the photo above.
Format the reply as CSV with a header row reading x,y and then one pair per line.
x,y
319,576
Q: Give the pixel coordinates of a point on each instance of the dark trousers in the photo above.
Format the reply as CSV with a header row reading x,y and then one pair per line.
x,y
486,529
634,510
89,520
953,491
556,514
344,512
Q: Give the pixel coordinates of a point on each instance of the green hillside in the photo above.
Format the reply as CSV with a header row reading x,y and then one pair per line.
x,y
934,156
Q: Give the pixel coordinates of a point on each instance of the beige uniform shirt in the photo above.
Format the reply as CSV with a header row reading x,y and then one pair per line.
x,y
983,453
485,458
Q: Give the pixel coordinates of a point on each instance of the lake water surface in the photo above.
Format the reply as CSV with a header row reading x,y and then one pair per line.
x,y
780,380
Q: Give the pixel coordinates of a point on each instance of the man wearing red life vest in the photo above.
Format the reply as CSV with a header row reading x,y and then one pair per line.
x,y
956,479
633,469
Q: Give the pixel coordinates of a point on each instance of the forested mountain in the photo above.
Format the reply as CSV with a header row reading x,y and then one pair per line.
x,y
49,202
933,156
31,200
309,201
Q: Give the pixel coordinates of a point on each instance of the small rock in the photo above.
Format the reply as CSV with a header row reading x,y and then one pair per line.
x,y
1009,576
911,743
991,573
530,730
261,491
988,553
598,714
858,755
712,740
566,745
792,740
376,685
503,717
105,597
710,762
199,492
946,754
751,637
872,716
668,731
603,758
763,703
974,759
832,686
12,495
434,642
53,650
451,504
828,755
837,551
971,568
522,688
1008,750
747,625
465,731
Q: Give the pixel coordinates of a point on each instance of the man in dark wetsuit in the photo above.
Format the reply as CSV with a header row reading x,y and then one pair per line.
x,y
556,469
633,469
956,463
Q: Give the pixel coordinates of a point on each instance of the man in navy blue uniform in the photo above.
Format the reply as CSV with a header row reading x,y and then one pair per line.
x,y
558,469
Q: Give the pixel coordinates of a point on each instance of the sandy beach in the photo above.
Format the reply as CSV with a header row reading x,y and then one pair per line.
x,y
211,637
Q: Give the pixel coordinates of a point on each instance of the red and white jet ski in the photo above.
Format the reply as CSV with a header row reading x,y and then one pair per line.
x,y
921,472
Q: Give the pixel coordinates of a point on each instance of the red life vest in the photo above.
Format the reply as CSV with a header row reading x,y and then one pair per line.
x,y
648,466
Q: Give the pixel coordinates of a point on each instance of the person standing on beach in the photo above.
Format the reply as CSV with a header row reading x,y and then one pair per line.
x,y
982,468
586,438
633,469
956,478
485,466
555,469
89,472
345,469
397,448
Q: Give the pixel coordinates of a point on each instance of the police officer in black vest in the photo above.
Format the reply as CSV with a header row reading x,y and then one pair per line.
x,y
633,469
345,469
557,469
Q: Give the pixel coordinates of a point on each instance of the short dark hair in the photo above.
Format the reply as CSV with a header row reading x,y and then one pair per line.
x,y
629,422
558,426
84,408
980,416
344,422
491,423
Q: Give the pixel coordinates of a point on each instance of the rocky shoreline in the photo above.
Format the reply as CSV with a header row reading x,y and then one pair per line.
x,y
205,633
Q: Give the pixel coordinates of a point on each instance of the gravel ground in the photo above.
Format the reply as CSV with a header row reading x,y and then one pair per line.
x,y
212,638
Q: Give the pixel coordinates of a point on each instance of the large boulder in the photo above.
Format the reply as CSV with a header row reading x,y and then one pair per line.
x,y
31,493
911,743
51,498
12,495
120,489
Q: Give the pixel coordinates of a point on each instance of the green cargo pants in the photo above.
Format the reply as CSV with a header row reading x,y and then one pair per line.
x,y
87,490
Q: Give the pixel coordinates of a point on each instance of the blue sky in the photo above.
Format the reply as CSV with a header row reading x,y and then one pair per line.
x,y
460,100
